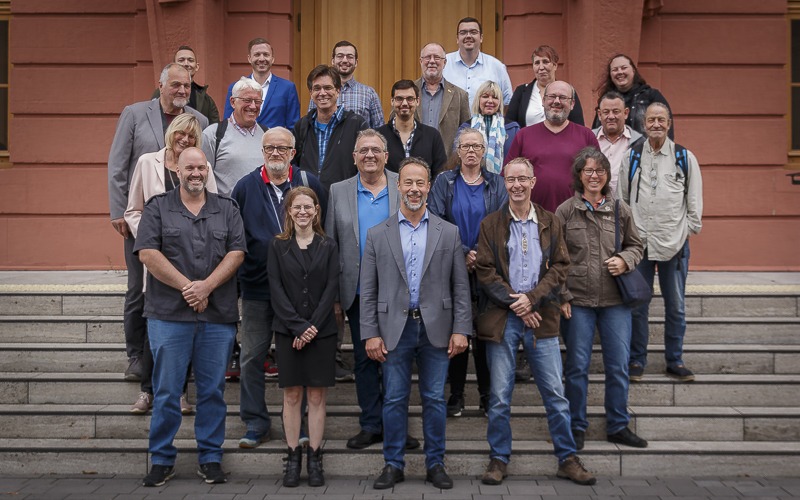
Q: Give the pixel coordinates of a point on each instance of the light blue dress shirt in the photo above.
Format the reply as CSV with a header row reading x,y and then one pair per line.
x,y
470,78
414,241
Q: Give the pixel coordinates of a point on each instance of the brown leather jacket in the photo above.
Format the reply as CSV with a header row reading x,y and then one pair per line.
x,y
493,276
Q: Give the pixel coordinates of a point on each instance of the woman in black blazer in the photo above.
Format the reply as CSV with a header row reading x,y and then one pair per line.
x,y
303,266
526,112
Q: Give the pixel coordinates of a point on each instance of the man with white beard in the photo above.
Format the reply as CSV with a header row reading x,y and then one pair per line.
x,y
260,196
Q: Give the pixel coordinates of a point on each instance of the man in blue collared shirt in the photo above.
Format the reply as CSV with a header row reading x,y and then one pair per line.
x,y
468,67
415,307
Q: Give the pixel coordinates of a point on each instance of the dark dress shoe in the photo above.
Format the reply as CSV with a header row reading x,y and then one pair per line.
x,y
412,443
363,439
438,477
579,437
390,476
628,438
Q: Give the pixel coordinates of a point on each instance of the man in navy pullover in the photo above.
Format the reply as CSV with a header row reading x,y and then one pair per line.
x,y
260,196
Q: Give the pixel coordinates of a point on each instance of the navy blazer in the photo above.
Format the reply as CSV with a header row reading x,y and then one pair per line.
x,y
281,106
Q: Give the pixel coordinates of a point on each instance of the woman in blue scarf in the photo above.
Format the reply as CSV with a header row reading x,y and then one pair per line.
x,y
487,117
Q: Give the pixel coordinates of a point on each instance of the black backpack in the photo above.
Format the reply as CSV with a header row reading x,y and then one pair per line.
x,y
635,157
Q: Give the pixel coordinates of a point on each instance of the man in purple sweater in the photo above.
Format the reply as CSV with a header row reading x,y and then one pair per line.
x,y
552,145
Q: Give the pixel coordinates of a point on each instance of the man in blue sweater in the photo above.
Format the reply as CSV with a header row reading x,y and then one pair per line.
x,y
260,196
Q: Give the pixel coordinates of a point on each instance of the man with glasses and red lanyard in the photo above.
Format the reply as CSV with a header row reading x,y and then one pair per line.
x,y
260,196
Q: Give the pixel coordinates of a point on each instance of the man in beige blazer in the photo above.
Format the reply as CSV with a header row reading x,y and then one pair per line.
x,y
443,105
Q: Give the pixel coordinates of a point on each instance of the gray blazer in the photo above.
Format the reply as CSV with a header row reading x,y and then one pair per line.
x,y
139,131
341,224
454,111
444,299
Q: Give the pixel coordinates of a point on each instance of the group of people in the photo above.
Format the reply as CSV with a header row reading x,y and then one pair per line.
x,y
461,223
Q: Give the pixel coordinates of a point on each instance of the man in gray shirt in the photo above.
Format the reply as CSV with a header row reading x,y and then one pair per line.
x,y
665,193
192,242
233,146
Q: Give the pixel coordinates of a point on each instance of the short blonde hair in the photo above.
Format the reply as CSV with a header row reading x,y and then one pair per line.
x,y
185,122
487,87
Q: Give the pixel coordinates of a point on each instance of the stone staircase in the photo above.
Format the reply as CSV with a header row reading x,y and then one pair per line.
x,y
64,403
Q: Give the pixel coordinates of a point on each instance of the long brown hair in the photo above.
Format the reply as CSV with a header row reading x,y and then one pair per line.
x,y
288,223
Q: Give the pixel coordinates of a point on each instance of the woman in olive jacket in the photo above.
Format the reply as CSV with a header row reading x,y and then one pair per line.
x,y
591,298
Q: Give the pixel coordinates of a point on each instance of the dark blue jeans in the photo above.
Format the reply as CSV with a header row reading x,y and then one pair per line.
x,y
432,363
672,280
368,376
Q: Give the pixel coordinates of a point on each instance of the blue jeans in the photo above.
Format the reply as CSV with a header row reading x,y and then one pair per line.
x,y
368,378
256,339
432,363
614,324
672,280
544,358
208,346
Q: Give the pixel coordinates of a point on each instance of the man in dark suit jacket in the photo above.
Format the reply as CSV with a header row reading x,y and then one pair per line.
x,y
454,107
281,106
140,129
415,307
406,136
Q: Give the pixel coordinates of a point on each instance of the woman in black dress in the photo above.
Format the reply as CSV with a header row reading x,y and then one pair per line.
x,y
303,266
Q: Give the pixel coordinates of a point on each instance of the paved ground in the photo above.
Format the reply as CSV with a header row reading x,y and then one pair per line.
x,y
518,488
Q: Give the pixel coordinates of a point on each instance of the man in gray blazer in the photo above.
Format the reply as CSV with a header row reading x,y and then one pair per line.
x,y
442,105
415,306
141,130
354,206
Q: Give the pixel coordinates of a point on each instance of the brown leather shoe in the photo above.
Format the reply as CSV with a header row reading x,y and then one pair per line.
x,y
495,472
573,469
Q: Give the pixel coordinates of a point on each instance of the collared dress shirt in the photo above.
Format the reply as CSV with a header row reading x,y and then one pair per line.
x,y
414,241
524,252
470,78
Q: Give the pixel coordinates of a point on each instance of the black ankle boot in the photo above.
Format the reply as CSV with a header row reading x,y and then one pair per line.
x,y
291,469
314,467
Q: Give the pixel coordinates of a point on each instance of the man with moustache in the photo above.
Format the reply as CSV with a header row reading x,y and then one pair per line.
x,y
521,264
199,98
280,106
140,129
551,146
614,136
192,243
665,193
443,105
468,67
260,196
356,205
326,136
406,136
233,146
415,307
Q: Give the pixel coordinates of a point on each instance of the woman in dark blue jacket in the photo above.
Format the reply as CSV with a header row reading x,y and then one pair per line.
x,y
464,196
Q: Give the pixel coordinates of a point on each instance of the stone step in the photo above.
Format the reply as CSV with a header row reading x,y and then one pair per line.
x,y
699,303
654,390
108,329
464,458
702,358
716,423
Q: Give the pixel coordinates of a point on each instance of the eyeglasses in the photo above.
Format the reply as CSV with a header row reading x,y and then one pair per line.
x,y
432,56
469,32
300,208
471,147
553,97
588,172
349,57
522,179
282,150
400,100
248,101
316,89
374,151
